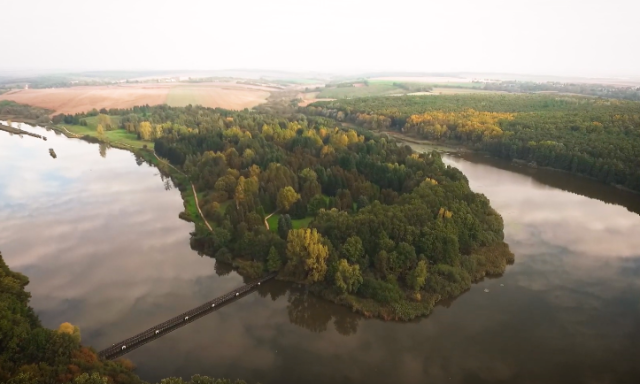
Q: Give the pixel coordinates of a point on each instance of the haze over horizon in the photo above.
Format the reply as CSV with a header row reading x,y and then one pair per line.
x,y
561,37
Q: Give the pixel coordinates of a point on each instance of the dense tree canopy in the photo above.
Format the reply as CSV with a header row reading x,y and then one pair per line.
x,y
384,223
599,138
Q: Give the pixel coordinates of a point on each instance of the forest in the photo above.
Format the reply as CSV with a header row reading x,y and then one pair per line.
x,y
360,220
597,138
597,90
32,354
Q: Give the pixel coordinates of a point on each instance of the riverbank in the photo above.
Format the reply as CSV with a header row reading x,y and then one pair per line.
x,y
452,149
486,262
18,131
439,147
191,213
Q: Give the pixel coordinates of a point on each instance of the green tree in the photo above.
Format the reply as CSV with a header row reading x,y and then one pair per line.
x,y
286,197
274,261
352,249
363,202
348,277
306,256
316,203
284,226
95,378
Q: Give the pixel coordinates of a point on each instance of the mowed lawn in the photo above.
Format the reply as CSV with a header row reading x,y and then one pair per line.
x,y
296,223
114,136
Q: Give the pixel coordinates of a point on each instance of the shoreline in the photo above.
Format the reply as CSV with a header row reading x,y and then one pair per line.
x,y
464,150
408,309
18,131
148,155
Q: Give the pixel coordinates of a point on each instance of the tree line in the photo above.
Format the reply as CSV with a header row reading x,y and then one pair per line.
x,y
598,138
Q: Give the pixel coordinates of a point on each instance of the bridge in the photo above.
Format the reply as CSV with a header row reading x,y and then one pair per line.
x,y
125,346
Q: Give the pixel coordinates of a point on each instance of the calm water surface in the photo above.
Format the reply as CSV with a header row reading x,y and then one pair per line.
x,y
98,234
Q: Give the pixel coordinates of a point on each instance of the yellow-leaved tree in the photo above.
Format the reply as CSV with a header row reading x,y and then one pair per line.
x,y
286,198
307,256
145,131
100,131
105,121
348,277
70,329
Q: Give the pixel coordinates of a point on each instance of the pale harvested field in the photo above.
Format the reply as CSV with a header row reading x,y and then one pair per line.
x,y
83,99
226,96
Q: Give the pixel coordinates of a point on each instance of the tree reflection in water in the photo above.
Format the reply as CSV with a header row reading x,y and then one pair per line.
x,y
310,312
102,148
222,269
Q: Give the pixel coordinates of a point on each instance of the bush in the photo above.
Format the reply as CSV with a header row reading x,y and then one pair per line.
x,y
380,291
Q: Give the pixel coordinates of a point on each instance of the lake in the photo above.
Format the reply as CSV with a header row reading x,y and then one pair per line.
x,y
98,234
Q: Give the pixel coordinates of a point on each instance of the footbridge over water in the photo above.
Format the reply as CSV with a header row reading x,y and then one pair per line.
x,y
125,346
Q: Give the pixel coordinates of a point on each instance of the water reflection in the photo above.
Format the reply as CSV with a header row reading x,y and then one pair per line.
x,y
102,244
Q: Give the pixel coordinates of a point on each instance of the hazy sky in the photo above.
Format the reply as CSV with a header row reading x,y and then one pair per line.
x,y
564,37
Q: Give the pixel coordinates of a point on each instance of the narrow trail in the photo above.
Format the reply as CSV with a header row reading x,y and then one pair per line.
x,y
195,195
71,133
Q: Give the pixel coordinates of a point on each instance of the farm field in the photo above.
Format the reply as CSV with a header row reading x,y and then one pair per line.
x,y
373,89
234,96
82,99
455,91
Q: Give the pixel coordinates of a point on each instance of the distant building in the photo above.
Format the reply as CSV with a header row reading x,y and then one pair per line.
x,y
26,86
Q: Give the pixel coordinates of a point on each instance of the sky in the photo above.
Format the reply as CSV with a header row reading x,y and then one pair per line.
x,y
547,37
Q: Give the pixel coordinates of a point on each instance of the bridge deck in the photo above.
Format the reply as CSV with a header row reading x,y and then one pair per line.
x,y
117,350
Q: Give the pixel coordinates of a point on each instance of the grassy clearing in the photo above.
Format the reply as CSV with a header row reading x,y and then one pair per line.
x,y
190,204
374,89
114,136
297,223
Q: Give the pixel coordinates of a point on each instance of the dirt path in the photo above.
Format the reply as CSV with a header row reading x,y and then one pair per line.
x,y
70,133
195,195
266,224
